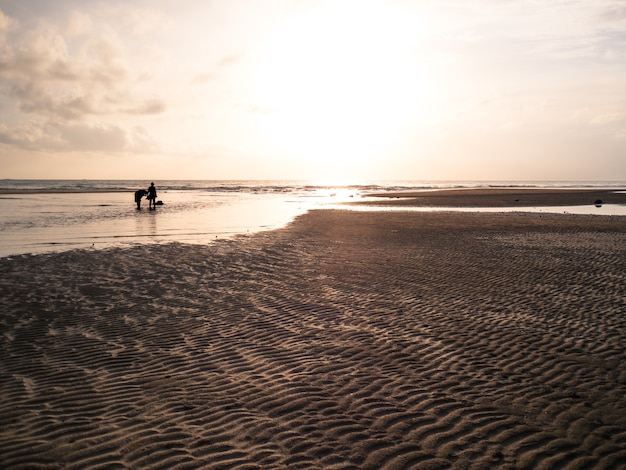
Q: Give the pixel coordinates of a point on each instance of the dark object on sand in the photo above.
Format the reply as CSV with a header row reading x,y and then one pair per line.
x,y
598,203
138,195
158,203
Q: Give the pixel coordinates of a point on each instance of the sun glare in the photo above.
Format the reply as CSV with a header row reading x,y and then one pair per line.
x,y
339,84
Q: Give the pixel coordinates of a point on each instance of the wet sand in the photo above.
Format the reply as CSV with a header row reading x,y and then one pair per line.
x,y
500,197
379,340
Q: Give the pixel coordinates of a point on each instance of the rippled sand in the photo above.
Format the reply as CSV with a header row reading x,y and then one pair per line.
x,y
345,340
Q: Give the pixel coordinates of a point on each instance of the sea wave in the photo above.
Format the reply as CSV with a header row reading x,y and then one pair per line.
x,y
278,186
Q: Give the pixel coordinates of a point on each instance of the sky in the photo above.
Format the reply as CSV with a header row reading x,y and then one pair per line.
x,y
338,91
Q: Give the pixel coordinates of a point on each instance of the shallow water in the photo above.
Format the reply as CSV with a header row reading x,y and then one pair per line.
x,y
39,223
589,209
193,211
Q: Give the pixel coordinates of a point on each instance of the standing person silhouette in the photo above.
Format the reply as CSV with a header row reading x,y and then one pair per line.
x,y
152,197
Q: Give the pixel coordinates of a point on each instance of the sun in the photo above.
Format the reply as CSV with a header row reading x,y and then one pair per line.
x,y
339,84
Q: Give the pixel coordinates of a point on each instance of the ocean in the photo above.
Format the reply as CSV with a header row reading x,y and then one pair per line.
x,y
42,216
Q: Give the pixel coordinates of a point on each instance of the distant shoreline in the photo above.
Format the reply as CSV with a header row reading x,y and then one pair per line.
x,y
496,197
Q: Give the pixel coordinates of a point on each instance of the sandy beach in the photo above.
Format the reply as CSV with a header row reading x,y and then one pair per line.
x,y
346,340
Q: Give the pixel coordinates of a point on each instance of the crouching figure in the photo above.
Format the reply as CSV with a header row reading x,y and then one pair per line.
x,y
138,195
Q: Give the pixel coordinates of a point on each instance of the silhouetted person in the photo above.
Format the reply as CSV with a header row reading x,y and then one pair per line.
x,y
152,196
138,195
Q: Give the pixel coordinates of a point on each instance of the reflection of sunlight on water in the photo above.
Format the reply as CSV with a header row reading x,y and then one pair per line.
x,y
38,223
590,209
337,195
41,223
191,221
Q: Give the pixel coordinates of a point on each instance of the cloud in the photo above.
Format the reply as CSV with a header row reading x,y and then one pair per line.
x,y
614,13
584,29
39,136
34,99
25,135
97,138
63,82
78,24
230,60
76,103
608,118
5,25
154,106
79,52
46,81
224,63
133,19
203,78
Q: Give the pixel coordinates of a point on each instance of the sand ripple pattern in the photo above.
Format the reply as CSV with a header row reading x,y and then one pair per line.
x,y
345,341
